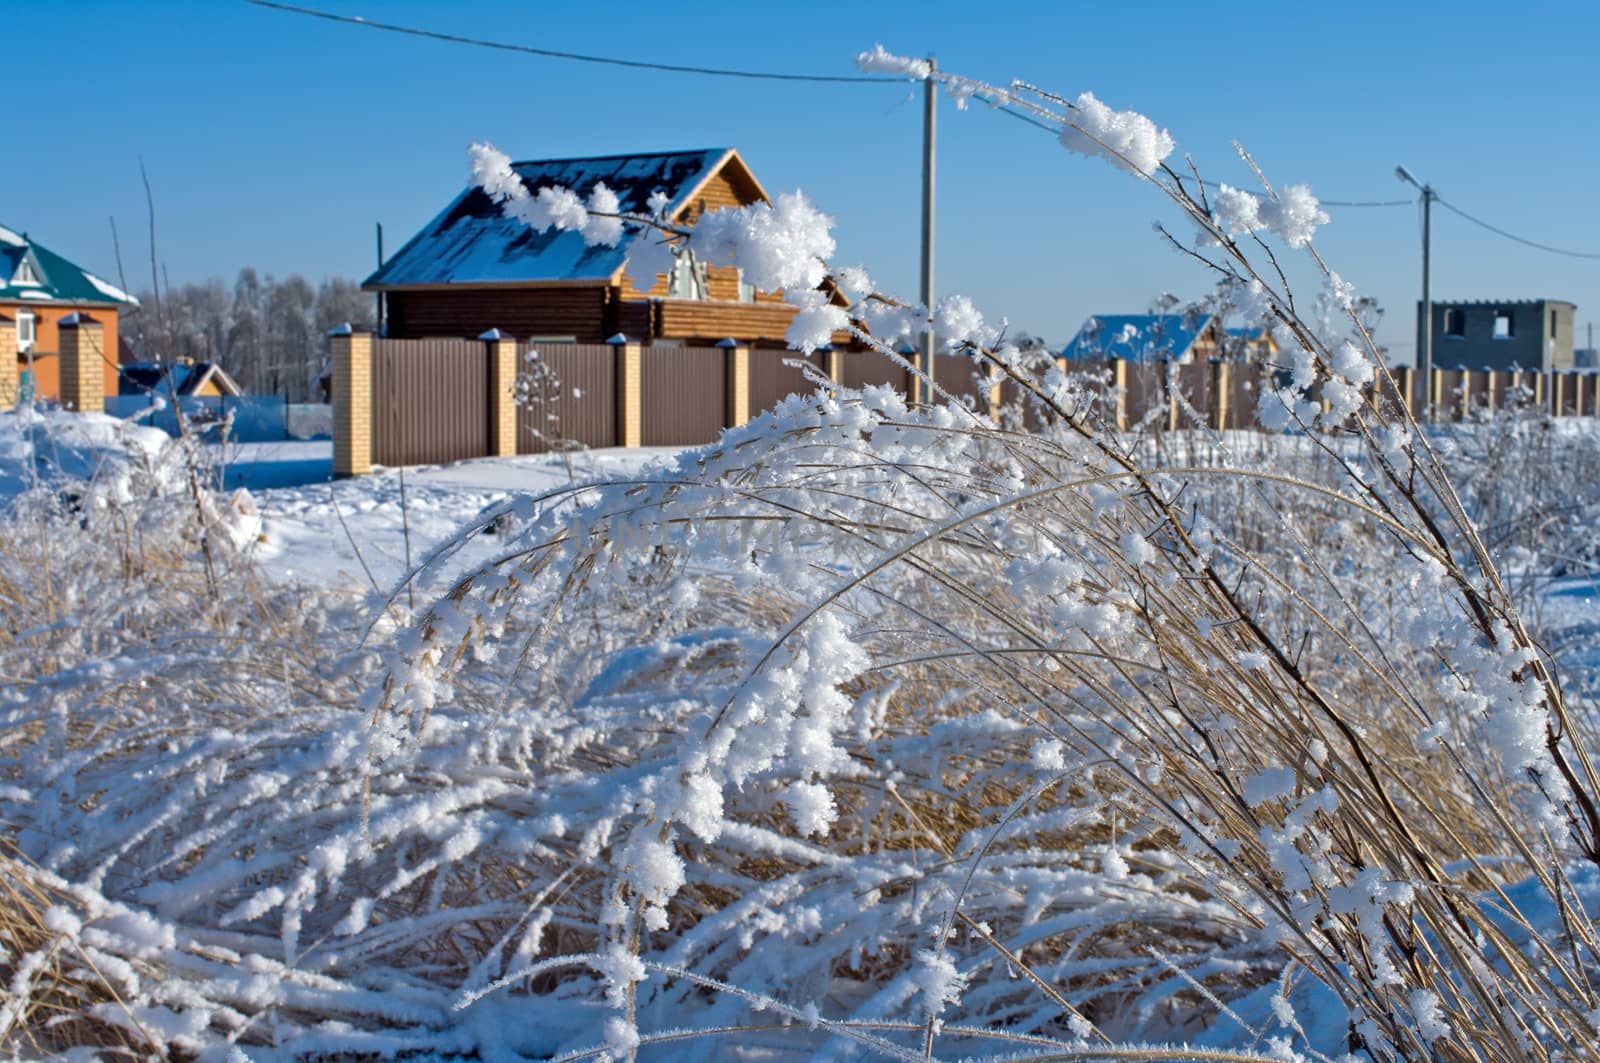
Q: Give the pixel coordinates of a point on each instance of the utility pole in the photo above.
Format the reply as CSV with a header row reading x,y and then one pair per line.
x,y
930,97
1425,347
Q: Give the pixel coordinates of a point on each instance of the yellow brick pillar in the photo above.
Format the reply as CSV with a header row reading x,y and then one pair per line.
x,y
1539,389
1435,393
995,396
502,351
735,383
1557,388
1119,385
914,385
83,354
352,401
834,364
1405,383
10,375
1219,395
630,396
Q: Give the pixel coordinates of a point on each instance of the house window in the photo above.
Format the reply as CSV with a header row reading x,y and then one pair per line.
x,y
1455,322
25,276
1552,323
1503,329
26,330
688,279
747,291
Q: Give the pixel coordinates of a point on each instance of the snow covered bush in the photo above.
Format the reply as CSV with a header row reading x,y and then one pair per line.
x,y
873,729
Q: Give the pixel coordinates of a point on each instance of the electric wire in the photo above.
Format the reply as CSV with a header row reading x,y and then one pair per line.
x,y
550,53
1513,236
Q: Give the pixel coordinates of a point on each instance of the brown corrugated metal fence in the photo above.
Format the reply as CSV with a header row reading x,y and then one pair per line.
x,y
682,395
430,401
773,378
572,401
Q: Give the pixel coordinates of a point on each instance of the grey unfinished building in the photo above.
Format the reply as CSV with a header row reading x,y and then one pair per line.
x,y
1505,334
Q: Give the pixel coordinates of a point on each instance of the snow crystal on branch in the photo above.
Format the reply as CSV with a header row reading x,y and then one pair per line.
x,y
1125,138
779,246
555,207
1293,213
880,61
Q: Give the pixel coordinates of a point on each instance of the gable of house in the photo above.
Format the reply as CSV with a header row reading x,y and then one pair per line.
x,y
32,273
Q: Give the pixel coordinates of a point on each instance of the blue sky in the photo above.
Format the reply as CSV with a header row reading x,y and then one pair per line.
x,y
277,141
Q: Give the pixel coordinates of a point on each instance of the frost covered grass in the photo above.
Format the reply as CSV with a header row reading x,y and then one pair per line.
x,y
871,730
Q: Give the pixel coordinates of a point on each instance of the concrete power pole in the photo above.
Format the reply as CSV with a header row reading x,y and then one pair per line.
x,y
1425,344
930,96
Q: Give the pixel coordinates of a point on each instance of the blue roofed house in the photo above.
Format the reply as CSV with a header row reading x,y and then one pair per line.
x,y
471,268
1143,338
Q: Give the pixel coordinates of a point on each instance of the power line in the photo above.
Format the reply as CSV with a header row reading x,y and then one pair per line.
x,y
549,53
1513,236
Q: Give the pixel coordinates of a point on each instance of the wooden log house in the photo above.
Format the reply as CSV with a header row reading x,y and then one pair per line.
x,y
471,268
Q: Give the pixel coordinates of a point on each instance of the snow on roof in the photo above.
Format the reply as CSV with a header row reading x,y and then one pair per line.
x,y
57,279
1136,337
472,242
110,290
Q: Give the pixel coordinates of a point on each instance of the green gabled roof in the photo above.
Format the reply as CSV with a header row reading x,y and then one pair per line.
x,y
59,281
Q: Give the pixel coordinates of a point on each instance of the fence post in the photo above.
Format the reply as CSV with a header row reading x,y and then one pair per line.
x,y
1435,393
835,364
351,349
1119,382
1557,388
10,379
1594,395
1219,395
630,399
735,383
1466,395
1169,388
502,350
1490,378
83,349
995,396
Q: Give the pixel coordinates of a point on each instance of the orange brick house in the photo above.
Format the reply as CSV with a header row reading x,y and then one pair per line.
x,y
472,268
38,288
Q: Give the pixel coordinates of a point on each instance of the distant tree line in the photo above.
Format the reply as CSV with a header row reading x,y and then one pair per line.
x,y
269,334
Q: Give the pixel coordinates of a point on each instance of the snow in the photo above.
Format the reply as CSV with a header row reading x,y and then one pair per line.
x,y
1126,139
12,238
111,290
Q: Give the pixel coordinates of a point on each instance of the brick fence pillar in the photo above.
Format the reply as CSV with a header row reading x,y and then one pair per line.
x,y
1557,392
10,380
735,383
834,364
630,397
914,386
1435,393
1119,385
502,351
1219,395
83,354
352,401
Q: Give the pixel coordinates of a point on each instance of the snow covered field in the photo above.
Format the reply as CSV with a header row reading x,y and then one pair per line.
x,y
313,527
280,816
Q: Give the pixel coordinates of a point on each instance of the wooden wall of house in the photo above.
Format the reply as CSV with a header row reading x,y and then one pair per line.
x,y
578,311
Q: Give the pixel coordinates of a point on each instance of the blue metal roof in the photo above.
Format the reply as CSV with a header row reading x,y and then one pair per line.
x,y
1136,337
472,242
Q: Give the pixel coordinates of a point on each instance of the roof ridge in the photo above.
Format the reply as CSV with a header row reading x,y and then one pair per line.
x,y
622,155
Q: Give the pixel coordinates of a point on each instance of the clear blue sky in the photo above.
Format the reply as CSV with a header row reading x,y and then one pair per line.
x,y
277,141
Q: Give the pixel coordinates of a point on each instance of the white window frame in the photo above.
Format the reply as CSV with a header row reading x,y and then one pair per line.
x,y
24,276
27,330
